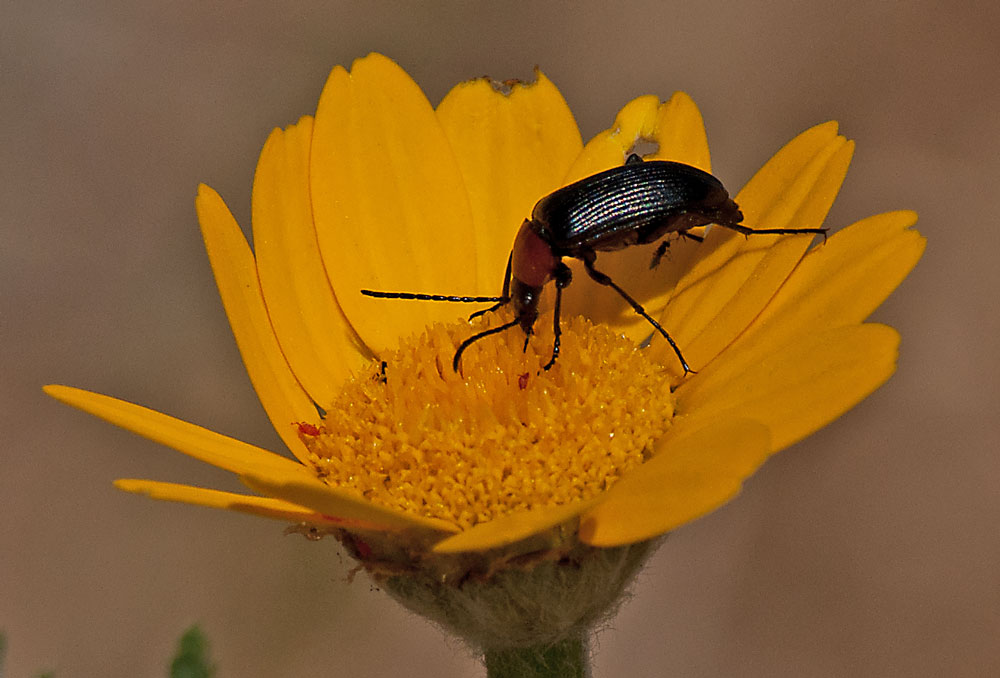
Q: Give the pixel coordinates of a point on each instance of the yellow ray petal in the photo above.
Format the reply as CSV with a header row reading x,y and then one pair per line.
x,y
836,284
320,345
389,203
202,444
807,199
236,275
735,276
795,388
709,313
258,506
689,476
511,528
679,133
512,149
800,181
634,122
841,282
677,129
311,493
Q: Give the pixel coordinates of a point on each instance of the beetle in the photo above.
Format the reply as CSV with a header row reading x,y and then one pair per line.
x,y
636,203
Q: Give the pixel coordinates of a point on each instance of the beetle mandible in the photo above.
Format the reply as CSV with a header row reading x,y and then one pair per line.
x,y
632,204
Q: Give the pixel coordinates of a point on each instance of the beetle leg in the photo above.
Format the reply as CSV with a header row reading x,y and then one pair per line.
x,y
563,277
506,276
603,279
746,230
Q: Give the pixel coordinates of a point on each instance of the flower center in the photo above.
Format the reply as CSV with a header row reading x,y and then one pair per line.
x,y
499,436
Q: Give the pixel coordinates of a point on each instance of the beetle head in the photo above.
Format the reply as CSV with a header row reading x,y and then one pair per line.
x,y
524,299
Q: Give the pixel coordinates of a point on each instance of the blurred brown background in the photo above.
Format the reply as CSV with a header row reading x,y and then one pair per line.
x,y
870,549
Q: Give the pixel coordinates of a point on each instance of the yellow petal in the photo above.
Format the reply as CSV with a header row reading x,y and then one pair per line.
x,y
511,528
235,270
795,388
797,163
309,492
258,506
808,198
677,129
389,203
512,149
841,282
689,476
320,345
634,122
204,445
735,276
679,133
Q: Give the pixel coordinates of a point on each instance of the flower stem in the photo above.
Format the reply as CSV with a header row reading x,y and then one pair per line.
x,y
566,659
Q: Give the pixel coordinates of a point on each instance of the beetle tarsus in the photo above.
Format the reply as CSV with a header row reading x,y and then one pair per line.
x,y
563,276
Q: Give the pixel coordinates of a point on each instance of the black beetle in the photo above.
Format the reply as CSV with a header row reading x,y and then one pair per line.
x,y
633,204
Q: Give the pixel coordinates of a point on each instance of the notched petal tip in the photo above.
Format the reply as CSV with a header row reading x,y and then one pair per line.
x,y
509,86
512,149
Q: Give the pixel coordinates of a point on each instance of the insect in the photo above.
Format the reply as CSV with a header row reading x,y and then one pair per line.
x,y
632,204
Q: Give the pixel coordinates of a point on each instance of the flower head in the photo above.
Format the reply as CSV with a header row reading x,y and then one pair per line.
x,y
415,465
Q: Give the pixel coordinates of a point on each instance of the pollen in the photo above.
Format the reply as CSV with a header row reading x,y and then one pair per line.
x,y
501,435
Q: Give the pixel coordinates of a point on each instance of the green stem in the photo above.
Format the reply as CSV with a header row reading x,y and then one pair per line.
x,y
565,659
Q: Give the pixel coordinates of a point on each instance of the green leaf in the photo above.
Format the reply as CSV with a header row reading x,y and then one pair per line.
x,y
191,660
3,657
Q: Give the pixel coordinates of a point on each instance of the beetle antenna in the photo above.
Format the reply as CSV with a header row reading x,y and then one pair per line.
x,y
434,297
476,337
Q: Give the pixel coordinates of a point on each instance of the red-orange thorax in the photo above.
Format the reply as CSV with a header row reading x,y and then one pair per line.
x,y
532,261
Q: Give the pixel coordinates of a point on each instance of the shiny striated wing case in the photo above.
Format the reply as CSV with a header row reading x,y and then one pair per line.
x,y
635,203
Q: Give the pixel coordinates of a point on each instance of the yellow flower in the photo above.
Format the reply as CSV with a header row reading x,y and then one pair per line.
x,y
613,446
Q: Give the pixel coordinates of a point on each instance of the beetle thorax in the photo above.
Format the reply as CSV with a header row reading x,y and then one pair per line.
x,y
532,260
532,265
